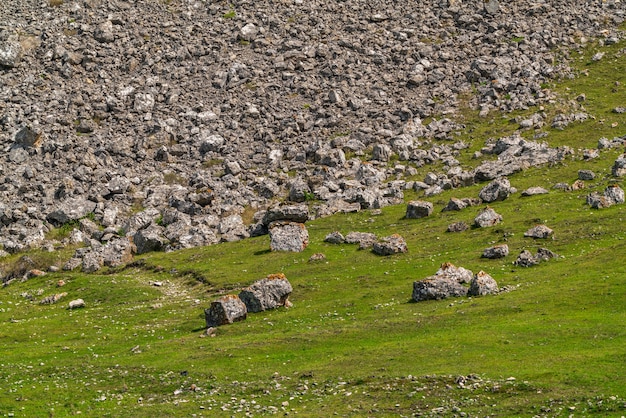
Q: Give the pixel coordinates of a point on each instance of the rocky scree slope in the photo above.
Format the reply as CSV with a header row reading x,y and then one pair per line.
x,y
173,117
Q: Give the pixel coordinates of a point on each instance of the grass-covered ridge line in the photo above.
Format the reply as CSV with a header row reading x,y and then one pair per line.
x,y
353,344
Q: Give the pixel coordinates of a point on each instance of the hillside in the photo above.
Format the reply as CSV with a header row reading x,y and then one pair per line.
x,y
353,109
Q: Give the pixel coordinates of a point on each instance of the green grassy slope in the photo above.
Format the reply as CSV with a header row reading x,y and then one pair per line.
x,y
353,344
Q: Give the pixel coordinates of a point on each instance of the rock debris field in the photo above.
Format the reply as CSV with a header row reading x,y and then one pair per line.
x,y
160,125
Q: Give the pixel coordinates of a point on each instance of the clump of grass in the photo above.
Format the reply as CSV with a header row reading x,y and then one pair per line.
x,y
231,14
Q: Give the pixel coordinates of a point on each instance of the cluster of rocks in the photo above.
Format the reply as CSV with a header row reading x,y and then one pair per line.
x,y
449,281
166,121
393,244
527,259
268,293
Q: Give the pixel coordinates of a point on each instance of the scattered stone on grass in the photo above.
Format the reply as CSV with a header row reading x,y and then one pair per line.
x,y
76,304
586,175
619,166
317,257
393,244
487,217
497,251
225,310
538,232
460,274
497,190
364,239
335,237
288,236
533,191
52,299
482,284
437,287
457,227
268,293
417,209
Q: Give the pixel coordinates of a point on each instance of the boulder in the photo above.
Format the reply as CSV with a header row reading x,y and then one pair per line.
x,y
418,209
437,287
150,239
70,210
292,213
619,166
335,237
268,293
10,53
497,190
460,274
598,201
117,252
92,261
393,244
225,310
299,191
482,284
586,175
457,227
526,259
454,204
28,138
288,236
538,231
487,217
364,239
497,251
76,304
614,194
545,254
532,191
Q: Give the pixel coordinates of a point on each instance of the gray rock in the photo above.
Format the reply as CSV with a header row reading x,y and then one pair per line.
x,y
364,239
437,287
335,237
70,210
497,251
619,166
460,274
76,304
538,231
28,138
117,252
457,227
454,204
268,293
104,32
487,217
526,259
482,284
248,32
92,261
492,6
586,175
533,191
225,310
288,236
598,201
497,190
10,53
149,239
292,213
299,191
614,194
393,244
418,209
545,254
381,152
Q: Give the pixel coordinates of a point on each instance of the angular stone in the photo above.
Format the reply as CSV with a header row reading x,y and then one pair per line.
x,y
497,190
418,209
364,239
70,210
532,191
457,227
393,244
437,287
614,194
288,236
10,53
539,231
586,175
487,217
482,284
292,213
497,251
92,261
76,304
225,310
526,259
268,293
598,201
454,204
619,166
28,138
150,239
460,274
335,237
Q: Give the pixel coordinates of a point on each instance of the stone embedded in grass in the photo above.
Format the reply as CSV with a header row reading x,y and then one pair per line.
x,y
268,293
586,175
317,257
225,310
497,251
482,284
418,209
533,191
364,239
487,217
437,287
52,299
288,236
460,274
526,259
598,201
619,166
335,237
76,304
393,244
498,189
457,227
614,194
455,204
538,232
